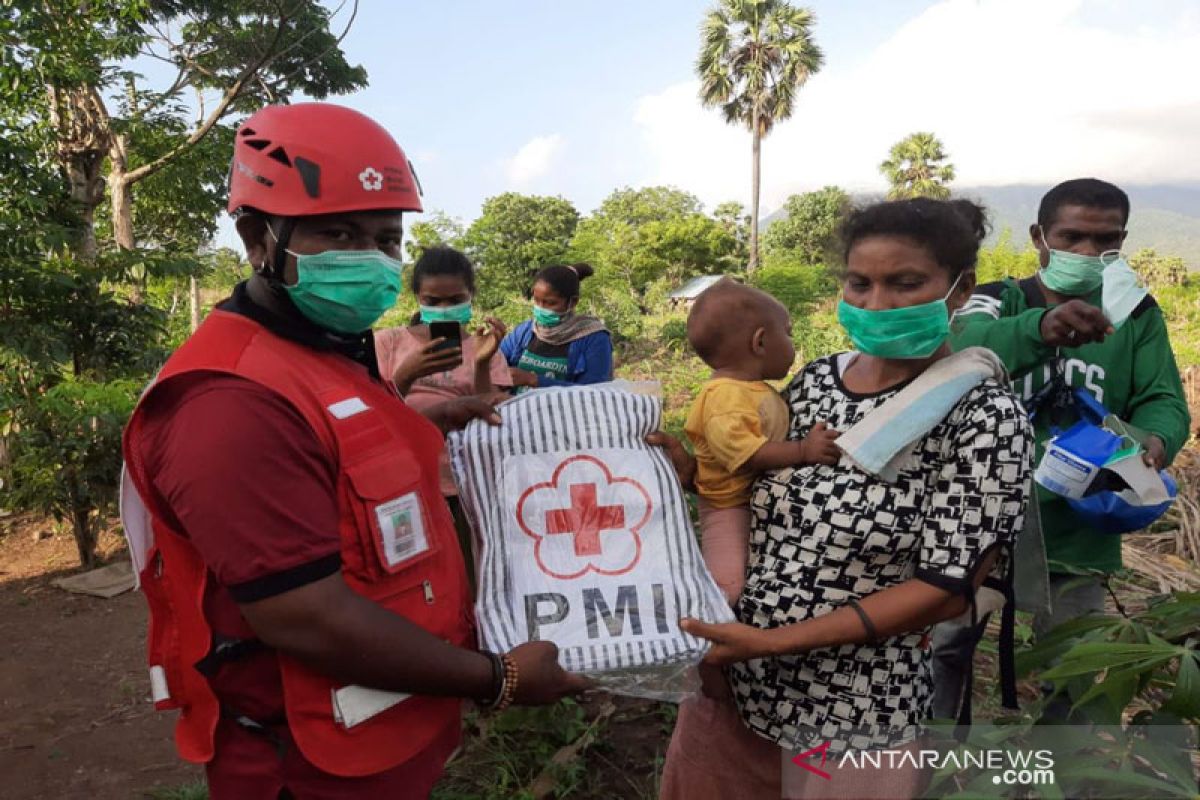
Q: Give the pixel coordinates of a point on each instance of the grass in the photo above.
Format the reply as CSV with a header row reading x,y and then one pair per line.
x,y
503,756
197,790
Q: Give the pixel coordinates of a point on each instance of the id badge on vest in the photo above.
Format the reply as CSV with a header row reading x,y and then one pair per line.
x,y
400,531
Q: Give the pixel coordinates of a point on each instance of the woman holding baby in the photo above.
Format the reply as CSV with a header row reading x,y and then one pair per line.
x,y
851,563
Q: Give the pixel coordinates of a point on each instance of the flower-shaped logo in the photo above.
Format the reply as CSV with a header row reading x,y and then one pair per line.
x,y
372,179
584,519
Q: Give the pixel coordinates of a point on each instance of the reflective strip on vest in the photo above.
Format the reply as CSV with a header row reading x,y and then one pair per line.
x,y
137,524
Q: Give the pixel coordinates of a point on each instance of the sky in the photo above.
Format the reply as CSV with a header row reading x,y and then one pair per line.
x,y
580,98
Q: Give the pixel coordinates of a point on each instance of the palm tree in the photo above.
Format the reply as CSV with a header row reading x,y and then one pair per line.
x,y
754,55
917,167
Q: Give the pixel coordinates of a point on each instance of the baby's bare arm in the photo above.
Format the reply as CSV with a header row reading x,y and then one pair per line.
x,y
816,448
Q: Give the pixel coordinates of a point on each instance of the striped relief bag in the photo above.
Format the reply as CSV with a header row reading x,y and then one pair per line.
x,y
583,536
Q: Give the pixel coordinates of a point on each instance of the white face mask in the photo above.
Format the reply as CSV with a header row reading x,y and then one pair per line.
x,y
1122,291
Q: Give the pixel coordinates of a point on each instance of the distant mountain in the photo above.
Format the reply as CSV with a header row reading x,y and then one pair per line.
x,y
1164,216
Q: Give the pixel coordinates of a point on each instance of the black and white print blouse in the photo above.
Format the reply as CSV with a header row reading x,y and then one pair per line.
x,y
822,535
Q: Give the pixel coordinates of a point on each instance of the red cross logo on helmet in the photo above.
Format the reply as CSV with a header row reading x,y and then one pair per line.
x,y
372,179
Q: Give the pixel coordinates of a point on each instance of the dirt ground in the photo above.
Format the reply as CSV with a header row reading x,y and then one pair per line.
x,y
76,719
75,714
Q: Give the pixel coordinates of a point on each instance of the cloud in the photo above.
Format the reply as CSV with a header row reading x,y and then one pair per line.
x,y
534,160
1018,90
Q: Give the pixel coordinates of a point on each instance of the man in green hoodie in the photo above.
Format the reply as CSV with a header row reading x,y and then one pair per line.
x,y
1051,334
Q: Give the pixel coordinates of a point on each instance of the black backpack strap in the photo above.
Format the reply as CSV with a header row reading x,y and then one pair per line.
x,y
1007,644
1032,291
963,725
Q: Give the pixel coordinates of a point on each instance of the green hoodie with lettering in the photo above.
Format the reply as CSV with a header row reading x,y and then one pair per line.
x,y
1132,372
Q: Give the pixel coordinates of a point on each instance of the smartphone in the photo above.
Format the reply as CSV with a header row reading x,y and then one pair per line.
x,y
450,331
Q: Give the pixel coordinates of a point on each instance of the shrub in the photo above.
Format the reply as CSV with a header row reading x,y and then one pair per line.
x,y
1003,260
674,333
67,453
798,286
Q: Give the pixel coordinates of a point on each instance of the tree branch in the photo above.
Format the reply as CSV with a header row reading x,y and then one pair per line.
x,y
336,43
230,95
292,47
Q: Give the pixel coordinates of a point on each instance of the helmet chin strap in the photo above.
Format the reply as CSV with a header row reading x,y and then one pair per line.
x,y
275,273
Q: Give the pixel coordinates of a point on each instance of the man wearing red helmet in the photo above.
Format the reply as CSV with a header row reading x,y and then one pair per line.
x,y
308,601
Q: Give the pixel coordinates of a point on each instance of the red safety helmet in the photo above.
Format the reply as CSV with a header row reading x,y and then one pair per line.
x,y
318,158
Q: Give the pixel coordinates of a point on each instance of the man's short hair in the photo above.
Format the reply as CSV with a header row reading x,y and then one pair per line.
x,y
1089,192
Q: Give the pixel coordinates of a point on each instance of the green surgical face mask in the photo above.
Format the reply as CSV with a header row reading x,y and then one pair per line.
x,y
460,313
547,318
1070,273
909,332
345,290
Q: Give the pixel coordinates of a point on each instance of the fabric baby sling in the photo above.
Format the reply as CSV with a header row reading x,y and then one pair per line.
x,y
583,536
880,441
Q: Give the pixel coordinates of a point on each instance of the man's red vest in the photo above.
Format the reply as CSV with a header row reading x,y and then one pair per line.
x,y
398,547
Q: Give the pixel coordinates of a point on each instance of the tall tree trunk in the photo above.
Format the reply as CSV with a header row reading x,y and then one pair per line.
x,y
194,294
754,192
82,140
85,533
120,192
83,177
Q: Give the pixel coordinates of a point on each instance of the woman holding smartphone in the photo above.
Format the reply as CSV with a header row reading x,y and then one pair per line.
x,y
430,367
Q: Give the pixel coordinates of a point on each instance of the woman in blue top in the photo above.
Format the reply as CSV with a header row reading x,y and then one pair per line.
x,y
558,347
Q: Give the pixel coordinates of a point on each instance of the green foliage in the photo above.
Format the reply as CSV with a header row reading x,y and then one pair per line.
x,y
439,229
1181,307
734,219
1003,260
292,42
515,236
795,284
86,316
674,333
513,750
1132,683
65,314
639,236
754,55
917,167
808,230
188,791
177,206
613,303
66,462
1102,664
1158,271
817,334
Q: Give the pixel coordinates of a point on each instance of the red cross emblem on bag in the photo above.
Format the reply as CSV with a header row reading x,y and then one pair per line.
x,y
585,519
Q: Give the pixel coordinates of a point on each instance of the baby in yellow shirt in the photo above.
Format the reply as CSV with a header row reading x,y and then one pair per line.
x,y
738,423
